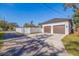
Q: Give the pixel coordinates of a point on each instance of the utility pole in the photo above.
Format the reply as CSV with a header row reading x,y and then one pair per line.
x,y
4,22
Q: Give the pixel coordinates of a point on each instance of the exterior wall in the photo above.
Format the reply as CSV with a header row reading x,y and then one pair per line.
x,y
66,23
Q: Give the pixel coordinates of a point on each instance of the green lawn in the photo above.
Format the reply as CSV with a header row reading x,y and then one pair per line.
x,y
1,39
71,43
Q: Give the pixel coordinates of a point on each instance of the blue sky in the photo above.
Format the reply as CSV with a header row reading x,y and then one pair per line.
x,y
37,12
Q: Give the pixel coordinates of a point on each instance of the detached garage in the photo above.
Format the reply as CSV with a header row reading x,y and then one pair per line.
x,y
57,26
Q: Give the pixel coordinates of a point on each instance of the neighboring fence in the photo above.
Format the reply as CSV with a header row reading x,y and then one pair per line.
x,y
29,30
36,30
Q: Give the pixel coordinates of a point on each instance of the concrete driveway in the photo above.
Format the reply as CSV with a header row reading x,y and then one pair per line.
x,y
55,40
50,45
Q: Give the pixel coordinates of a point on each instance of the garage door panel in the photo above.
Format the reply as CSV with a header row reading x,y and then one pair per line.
x,y
47,29
59,29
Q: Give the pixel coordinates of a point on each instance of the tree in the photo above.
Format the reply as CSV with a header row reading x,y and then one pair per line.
x,y
3,24
26,25
7,26
70,5
29,24
75,17
12,26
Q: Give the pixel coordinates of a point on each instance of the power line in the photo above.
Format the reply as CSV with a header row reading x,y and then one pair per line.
x,y
52,9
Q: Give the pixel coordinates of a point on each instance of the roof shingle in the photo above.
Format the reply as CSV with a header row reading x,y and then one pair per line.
x,y
55,20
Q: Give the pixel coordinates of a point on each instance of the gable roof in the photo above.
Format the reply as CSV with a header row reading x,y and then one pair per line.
x,y
55,20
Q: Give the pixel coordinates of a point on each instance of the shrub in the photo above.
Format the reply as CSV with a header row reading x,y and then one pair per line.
x,y
1,39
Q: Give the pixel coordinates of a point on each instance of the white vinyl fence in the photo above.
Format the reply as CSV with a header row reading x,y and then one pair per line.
x,y
20,30
29,30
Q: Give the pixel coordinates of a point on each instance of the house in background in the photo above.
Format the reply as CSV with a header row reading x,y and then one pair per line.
x,y
57,26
